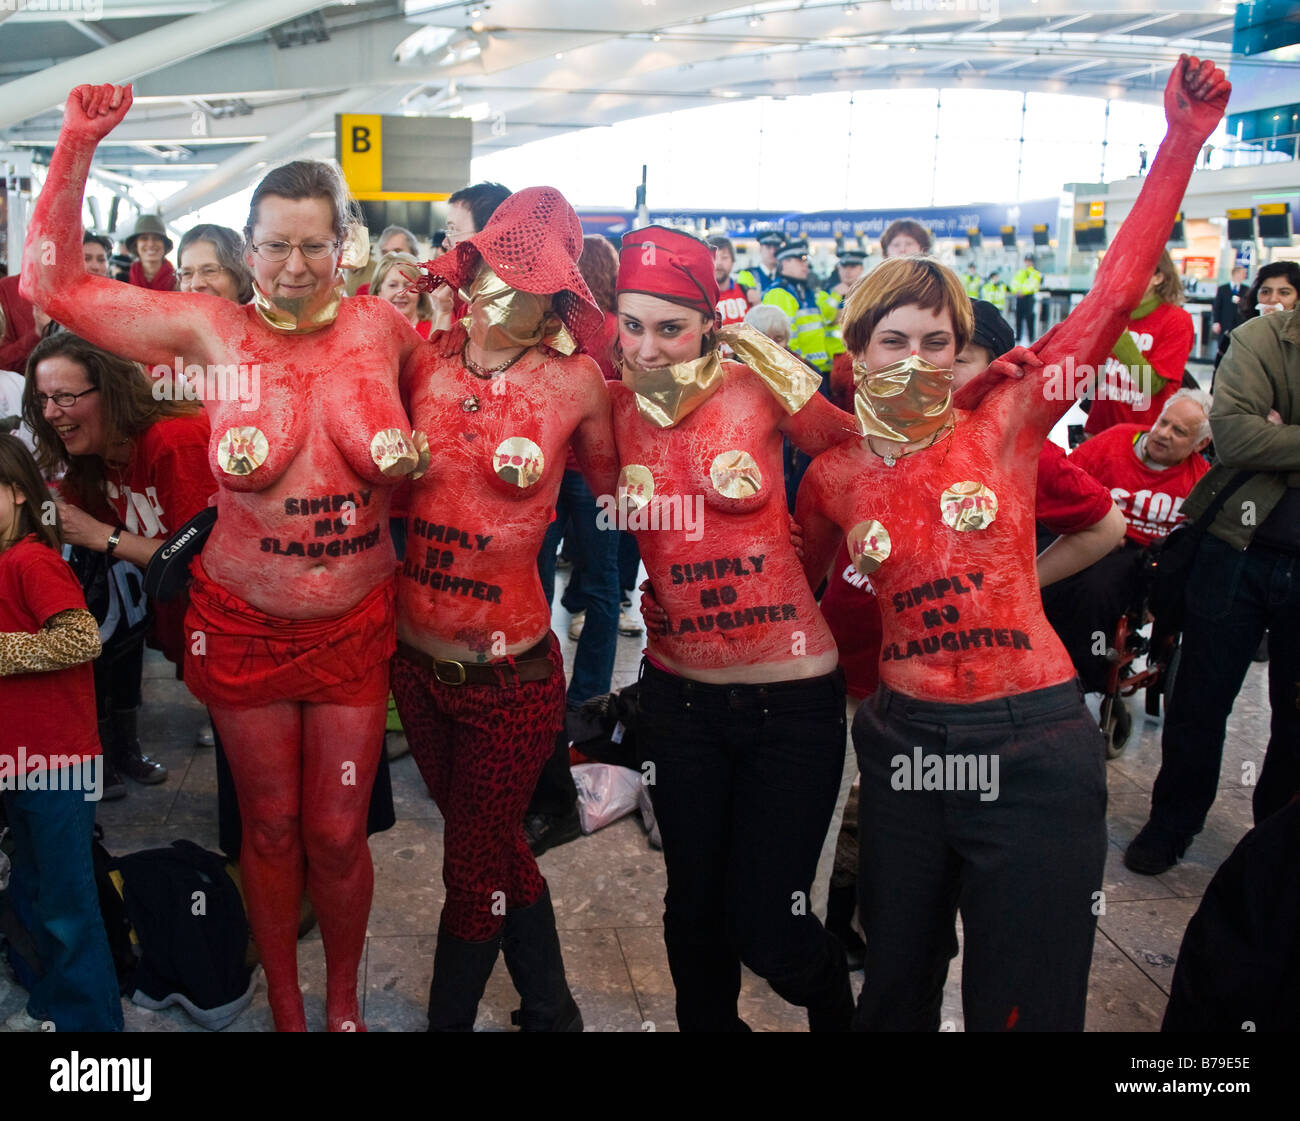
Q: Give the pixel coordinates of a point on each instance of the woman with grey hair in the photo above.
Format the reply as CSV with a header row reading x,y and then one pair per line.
x,y
771,321
212,261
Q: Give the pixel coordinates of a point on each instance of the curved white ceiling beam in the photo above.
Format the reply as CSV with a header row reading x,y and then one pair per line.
x,y
144,53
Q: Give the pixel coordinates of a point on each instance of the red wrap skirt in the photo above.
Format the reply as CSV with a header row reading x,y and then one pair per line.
x,y
239,657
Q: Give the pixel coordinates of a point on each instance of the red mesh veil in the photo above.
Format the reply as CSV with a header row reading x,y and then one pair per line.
x,y
532,242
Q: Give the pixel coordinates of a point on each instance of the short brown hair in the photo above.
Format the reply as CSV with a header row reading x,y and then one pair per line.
x,y
599,267
129,409
717,241
912,228
306,179
897,282
1170,288
18,469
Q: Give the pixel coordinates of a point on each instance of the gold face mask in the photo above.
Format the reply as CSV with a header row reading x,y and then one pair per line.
x,y
670,394
501,317
904,401
299,317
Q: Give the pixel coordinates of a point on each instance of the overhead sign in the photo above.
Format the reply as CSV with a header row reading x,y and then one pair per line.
x,y
403,158
943,222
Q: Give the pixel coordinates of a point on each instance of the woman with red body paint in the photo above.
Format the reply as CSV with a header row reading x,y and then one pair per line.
x,y
742,704
292,666
478,677
983,782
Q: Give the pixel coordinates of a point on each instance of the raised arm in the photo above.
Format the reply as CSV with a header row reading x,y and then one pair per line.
x,y
1195,98
149,327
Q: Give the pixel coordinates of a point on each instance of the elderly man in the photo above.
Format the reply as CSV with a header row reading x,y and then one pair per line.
x,y
1245,579
1149,474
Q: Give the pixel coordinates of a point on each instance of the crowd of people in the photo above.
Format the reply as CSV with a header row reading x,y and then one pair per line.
x,y
367,539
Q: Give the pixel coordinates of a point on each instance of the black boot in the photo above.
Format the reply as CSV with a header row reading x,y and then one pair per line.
x,y
832,1010
532,951
841,902
114,786
128,755
460,973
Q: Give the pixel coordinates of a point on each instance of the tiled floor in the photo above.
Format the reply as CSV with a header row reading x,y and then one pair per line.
x,y
608,889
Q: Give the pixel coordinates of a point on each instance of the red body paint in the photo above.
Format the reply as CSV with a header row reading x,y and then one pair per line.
x,y
303,771
730,580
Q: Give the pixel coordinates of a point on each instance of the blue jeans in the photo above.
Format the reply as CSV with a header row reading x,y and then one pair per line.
x,y
53,893
595,558
1231,598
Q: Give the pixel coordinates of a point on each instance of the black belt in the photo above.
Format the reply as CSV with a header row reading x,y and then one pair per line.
x,y
744,696
533,664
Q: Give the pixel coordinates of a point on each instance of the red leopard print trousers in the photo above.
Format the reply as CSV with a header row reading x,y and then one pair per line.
x,y
480,749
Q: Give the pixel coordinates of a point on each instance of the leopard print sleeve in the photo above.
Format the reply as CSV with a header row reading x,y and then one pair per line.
x,y
67,639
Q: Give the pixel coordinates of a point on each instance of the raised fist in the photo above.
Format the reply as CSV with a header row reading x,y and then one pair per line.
x,y
95,111
1196,96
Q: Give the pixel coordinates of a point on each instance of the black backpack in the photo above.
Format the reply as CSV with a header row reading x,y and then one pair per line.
x,y
189,920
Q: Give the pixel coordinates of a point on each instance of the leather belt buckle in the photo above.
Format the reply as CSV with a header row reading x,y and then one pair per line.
x,y
439,663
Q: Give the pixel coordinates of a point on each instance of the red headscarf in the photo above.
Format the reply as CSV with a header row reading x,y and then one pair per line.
x,y
532,242
671,265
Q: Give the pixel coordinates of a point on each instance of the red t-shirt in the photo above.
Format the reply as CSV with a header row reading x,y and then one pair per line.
x,y
733,305
166,483
1067,500
1165,339
1150,500
51,713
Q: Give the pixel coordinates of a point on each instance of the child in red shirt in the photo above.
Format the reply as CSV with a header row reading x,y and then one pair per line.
x,y
49,768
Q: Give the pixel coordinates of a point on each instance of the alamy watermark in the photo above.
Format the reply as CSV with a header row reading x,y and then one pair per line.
x,y
83,9
977,7
42,771
940,771
674,513
191,381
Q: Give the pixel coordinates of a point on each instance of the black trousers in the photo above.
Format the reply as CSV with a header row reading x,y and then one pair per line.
x,y
1088,605
1021,856
744,779
1024,318
1232,596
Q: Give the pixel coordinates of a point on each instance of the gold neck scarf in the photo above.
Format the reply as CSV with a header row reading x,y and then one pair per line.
x,y
291,323
905,401
666,396
502,317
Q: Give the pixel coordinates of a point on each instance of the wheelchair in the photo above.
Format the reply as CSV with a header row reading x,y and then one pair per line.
x,y
1127,644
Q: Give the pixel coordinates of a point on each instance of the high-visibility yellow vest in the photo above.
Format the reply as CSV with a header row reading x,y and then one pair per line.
x,y
807,328
972,284
829,305
996,294
1026,282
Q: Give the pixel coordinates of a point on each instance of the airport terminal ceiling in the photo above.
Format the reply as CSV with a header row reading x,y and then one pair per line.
x,y
223,88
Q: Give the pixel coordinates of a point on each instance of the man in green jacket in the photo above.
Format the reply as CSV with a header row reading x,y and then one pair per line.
x,y
1245,580
995,292
1024,285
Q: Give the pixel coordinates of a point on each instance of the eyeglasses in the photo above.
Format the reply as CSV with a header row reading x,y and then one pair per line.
x,y
63,400
276,251
207,272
